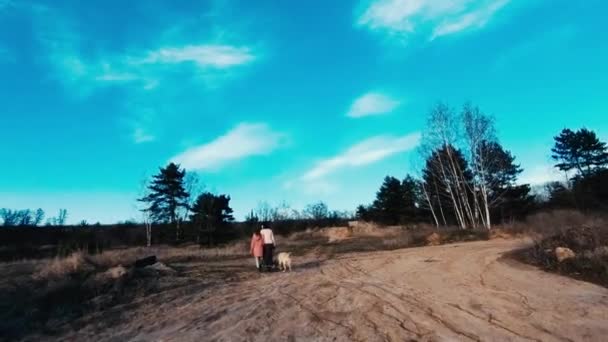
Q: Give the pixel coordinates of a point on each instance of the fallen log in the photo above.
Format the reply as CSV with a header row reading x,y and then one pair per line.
x,y
147,261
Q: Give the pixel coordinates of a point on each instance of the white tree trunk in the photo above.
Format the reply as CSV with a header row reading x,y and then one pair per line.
x,y
428,200
449,187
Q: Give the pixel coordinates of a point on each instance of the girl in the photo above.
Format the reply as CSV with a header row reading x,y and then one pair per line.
x,y
257,248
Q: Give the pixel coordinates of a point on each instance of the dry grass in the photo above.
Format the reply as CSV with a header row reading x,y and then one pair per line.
x,y
61,267
79,262
548,223
44,295
368,236
586,235
66,288
398,241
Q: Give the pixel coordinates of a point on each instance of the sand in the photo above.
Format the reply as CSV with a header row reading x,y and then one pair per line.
x,y
459,292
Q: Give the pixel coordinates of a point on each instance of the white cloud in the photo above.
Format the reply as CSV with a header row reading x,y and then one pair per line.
x,y
245,140
108,73
372,104
74,71
474,19
312,187
363,153
541,174
431,17
143,122
140,135
214,56
144,68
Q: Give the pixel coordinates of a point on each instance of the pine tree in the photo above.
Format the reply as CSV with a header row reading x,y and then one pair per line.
x,y
166,195
506,199
411,195
211,212
388,203
363,213
579,150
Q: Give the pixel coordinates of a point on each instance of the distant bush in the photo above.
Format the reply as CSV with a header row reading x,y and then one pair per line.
x,y
588,241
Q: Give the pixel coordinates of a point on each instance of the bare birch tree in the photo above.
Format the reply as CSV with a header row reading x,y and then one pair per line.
x,y
147,220
443,133
479,130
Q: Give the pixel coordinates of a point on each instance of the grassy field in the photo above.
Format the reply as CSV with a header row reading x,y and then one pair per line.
x,y
47,297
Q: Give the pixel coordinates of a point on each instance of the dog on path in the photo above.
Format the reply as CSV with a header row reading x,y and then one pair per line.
x,y
284,260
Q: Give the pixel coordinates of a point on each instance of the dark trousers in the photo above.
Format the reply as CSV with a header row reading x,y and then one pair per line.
x,y
268,248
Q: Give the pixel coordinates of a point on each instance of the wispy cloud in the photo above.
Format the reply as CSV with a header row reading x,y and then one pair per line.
x,y
213,62
140,135
245,140
204,56
372,104
142,68
363,153
149,78
474,19
142,122
541,174
429,17
106,72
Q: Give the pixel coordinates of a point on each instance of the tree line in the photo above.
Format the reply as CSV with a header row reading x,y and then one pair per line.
x,y
465,178
174,196
468,179
584,160
31,218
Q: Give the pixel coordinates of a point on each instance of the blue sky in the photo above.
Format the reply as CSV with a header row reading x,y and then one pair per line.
x,y
293,101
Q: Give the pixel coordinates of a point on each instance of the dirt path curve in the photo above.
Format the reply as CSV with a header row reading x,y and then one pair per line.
x,y
456,292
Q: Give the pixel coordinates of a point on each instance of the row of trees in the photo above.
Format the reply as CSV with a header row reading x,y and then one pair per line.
x,y
317,211
469,179
28,217
465,178
584,160
396,202
174,196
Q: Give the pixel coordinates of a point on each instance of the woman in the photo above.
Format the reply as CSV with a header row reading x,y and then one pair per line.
x,y
257,248
269,245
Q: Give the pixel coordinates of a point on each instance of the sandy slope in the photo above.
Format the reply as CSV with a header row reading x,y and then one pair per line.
x,y
446,293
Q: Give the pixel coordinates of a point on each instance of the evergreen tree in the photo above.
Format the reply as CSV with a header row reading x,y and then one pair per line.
x,y
211,212
363,213
579,150
166,195
396,202
411,195
506,199
591,192
559,196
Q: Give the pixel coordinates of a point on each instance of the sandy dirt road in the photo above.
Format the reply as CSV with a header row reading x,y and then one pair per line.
x,y
457,292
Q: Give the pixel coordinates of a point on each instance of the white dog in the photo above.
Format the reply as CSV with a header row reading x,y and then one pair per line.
x,y
284,261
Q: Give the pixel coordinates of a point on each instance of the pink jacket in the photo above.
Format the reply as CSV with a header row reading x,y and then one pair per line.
x,y
257,245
